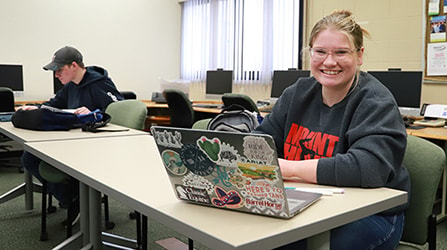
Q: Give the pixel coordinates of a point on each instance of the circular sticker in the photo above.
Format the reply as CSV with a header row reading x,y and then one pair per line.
x,y
173,162
196,160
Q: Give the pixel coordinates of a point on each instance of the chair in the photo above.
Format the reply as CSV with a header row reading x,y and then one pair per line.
x,y
245,101
128,95
121,115
51,174
127,113
6,100
425,162
10,151
180,107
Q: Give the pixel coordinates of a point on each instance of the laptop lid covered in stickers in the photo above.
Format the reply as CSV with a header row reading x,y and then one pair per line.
x,y
237,171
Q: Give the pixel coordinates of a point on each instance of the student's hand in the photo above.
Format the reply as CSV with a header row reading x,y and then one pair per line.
x,y
305,169
27,107
287,169
82,110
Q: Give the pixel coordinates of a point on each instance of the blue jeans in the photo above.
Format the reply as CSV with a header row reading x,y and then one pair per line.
x,y
373,232
64,193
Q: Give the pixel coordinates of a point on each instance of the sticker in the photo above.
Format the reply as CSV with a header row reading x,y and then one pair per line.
x,y
228,155
167,139
264,204
210,147
196,160
173,163
192,180
257,148
230,199
193,194
264,192
257,171
238,180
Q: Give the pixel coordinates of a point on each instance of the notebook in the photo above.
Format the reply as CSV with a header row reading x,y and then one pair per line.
x,y
228,170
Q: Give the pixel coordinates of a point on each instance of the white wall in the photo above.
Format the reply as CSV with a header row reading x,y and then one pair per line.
x,y
137,41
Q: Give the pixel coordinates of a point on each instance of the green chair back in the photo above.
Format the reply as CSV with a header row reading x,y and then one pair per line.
x,y
245,101
128,113
425,162
52,174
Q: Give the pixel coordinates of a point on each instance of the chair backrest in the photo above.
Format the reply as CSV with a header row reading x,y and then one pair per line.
x,y
425,162
6,100
240,99
128,113
128,95
180,108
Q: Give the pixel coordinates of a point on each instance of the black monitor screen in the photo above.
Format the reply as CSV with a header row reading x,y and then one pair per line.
x,y
284,78
11,76
57,85
219,82
404,85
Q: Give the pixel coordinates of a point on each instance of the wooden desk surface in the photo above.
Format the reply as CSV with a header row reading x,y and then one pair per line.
x,y
132,172
153,105
439,133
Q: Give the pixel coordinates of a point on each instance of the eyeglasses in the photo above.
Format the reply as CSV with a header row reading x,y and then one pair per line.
x,y
339,55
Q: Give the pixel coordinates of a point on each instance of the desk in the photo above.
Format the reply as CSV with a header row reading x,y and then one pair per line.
x,y
146,189
23,135
158,113
436,133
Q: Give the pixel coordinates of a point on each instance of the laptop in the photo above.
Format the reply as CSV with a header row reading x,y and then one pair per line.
x,y
6,116
227,170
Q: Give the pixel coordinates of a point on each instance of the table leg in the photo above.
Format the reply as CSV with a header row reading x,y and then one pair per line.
x,y
320,241
26,188
95,218
84,210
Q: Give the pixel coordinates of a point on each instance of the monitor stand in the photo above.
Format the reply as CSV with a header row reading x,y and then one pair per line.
x,y
214,97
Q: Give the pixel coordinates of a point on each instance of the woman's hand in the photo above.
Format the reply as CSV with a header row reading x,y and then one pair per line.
x,y
287,170
305,169
82,110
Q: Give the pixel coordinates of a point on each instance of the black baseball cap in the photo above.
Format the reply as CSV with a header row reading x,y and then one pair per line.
x,y
64,56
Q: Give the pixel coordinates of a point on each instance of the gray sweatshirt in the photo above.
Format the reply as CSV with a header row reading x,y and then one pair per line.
x,y
360,141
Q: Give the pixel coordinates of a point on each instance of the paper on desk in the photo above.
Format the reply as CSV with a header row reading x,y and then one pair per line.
x,y
436,110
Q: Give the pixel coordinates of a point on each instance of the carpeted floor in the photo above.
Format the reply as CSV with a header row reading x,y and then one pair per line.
x,y
20,228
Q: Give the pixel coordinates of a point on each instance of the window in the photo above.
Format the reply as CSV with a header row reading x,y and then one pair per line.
x,y
250,37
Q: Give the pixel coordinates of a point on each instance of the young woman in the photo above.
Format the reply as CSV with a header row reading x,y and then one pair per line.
x,y
342,127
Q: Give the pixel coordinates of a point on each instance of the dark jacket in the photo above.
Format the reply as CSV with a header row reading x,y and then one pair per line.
x,y
95,91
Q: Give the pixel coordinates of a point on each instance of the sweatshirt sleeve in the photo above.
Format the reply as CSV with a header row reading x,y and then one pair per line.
x,y
374,145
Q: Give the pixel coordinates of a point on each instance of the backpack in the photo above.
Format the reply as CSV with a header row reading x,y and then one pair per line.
x,y
234,119
49,119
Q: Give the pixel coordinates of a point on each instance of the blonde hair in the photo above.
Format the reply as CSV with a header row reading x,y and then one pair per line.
x,y
343,21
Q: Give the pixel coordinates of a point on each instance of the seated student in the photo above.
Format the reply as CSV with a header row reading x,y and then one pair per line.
x,y
342,127
85,89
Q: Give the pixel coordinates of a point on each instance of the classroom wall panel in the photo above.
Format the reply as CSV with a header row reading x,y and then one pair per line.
x,y
137,41
397,35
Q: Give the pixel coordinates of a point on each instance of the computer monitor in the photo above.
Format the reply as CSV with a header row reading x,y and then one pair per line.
x,y
57,85
284,78
218,82
404,85
11,76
